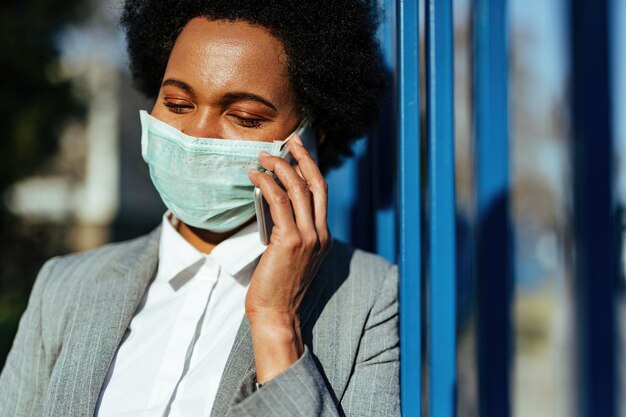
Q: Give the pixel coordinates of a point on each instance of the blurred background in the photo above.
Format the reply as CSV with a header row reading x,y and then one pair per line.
x,y
71,173
72,177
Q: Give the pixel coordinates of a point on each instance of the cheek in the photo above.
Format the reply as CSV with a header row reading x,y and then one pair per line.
x,y
159,111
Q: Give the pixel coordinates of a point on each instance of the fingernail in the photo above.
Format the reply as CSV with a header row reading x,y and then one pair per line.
x,y
297,139
253,171
264,153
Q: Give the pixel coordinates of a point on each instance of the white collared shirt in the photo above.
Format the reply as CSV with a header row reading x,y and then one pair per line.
x,y
176,348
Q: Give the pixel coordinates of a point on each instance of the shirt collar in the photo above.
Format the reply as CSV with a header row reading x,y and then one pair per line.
x,y
239,250
233,254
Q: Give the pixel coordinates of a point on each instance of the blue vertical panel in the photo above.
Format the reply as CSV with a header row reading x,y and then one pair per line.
x,y
409,205
441,207
494,236
595,225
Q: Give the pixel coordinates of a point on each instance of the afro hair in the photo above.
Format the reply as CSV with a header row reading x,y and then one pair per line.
x,y
334,60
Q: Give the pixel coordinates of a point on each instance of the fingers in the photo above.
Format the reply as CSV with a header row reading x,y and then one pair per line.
x,y
304,201
297,190
316,184
277,198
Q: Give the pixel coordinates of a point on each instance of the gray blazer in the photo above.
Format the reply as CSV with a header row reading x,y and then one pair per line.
x,y
81,305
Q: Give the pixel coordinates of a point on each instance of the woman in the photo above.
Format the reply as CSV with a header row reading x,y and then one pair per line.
x,y
199,318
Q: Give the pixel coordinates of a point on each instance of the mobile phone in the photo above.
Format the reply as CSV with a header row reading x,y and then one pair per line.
x,y
262,208
263,216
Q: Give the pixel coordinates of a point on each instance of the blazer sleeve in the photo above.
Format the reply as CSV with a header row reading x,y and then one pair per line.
x,y
23,381
374,386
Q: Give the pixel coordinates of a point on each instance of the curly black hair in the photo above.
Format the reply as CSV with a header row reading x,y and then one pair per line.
x,y
334,60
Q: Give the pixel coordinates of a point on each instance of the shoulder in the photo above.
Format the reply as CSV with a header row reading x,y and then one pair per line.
x,y
358,266
82,265
63,279
68,283
104,255
352,301
355,279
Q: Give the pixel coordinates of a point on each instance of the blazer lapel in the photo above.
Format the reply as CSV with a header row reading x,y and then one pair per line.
x,y
136,270
239,373
102,317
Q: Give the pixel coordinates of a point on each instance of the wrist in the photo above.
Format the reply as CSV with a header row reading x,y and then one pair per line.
x,y
277,345
278,333
272,320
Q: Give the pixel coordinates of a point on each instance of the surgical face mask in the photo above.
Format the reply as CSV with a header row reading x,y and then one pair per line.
x,y
204,182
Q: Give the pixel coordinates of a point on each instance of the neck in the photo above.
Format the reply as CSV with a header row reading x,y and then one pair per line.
x,y
204,240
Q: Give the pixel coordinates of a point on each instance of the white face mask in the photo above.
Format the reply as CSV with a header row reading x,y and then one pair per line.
x,y
204,182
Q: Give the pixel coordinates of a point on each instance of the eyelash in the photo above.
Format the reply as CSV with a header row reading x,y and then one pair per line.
x,y
249,123
244,121
176,108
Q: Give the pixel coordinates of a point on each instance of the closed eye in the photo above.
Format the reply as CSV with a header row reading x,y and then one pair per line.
x,y
177,108
248,122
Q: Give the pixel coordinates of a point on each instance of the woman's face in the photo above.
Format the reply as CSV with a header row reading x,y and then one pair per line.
x,y
227,80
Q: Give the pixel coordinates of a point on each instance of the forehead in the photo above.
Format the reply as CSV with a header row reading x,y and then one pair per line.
x,y
218,54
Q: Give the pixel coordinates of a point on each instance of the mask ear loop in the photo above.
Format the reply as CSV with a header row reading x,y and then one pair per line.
x,y
283,150
305,132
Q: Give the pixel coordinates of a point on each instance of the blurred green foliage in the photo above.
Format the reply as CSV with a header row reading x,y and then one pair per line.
x,y
36,104
11,307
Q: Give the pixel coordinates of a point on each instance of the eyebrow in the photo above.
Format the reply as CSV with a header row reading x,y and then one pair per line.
x,y
227,99
180,84
230,98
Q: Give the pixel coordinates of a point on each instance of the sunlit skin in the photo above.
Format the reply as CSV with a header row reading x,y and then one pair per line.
x,y
228,80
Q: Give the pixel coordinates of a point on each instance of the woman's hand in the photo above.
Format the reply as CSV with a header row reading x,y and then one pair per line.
x,y
298,243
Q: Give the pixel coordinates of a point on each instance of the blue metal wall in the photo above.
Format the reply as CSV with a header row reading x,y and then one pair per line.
x,y
362,204
379,202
